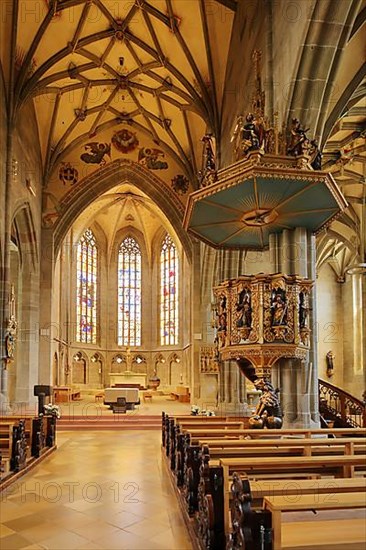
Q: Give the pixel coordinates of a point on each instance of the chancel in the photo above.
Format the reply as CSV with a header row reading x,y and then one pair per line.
x,y
182,279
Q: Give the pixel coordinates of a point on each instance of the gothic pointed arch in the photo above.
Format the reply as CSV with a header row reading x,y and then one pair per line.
x,y
115,173
23,227
87,266
129,292
169,292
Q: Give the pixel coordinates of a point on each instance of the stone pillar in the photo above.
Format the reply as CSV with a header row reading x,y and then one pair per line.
x,y
312,379
197,326
230,389
4,401
293,252
26,366
47,330
287,387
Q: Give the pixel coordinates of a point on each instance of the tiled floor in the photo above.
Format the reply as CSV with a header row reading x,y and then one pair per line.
x,y
105,490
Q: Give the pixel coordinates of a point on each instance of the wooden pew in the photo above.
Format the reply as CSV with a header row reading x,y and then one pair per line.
x,y
307,447
171,420
178,433
183,447
6,435
183,450
344,501
260,488
213,424
256,524
189,454
271,434
28,428
172,427
14,443
338,466
38,434
211,488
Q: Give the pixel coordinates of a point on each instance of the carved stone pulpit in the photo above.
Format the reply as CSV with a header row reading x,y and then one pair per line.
x,y
262,318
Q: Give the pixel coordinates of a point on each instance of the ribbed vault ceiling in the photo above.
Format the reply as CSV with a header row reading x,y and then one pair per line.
x,y
155,66
345,157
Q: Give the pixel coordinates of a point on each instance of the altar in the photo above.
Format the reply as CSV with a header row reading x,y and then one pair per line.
x,y
128,377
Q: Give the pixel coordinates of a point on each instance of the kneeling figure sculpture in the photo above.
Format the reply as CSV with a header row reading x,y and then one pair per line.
x,y
268,413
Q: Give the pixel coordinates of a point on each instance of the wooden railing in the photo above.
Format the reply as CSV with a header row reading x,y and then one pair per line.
x,y
341,407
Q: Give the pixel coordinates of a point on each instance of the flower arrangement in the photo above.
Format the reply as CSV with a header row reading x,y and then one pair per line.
x,y
52,410
196,411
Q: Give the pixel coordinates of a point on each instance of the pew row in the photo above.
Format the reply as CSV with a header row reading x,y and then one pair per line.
x,y
252,524
278,505
188,459
337,466
23,439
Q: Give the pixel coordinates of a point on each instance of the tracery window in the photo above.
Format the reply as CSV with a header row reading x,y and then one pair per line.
x,y
86,288
129,293
169,277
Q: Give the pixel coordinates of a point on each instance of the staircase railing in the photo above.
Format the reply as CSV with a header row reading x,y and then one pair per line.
x,y
341,407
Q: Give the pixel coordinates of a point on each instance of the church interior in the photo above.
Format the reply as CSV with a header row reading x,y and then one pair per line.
x,y
182,257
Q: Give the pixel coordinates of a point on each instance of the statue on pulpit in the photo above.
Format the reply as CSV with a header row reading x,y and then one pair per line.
x,y
303,311
279,309
244,307
299,142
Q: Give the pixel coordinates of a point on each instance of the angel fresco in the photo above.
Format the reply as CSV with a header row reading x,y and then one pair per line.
x,y
151,158
95,153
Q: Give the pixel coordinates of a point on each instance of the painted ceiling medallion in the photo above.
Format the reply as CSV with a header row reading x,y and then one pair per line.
x,y
125,141
68,174
259,217
180,184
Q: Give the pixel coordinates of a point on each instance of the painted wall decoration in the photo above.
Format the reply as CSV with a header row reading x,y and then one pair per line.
x,y
95,153
125,141
49,219
68,174
151,158
180,184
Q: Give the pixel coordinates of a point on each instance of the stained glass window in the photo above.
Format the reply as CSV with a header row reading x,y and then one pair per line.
x,y
86,289
169,272
129,293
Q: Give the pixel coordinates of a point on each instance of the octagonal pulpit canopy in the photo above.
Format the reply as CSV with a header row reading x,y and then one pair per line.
x,y
260,195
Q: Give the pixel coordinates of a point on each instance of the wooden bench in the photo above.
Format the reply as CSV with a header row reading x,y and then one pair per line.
x,y
260,488
211,433
341,466
307,447
188,425
344,501
206,478
6,436
39,432
28,425
169,422
183,442
248,494
13,443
